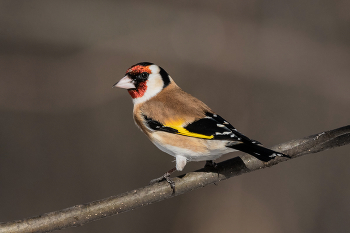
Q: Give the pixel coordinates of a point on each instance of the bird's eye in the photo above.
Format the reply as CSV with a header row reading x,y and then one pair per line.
x,y
144,75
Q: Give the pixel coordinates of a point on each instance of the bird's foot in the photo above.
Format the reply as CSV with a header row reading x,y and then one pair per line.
x,y
210,164
166,177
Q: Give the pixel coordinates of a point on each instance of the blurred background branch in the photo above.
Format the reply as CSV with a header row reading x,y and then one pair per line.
x,y
81,214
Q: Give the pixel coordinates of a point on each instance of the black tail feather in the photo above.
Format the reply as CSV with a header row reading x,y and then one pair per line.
x,y
260,152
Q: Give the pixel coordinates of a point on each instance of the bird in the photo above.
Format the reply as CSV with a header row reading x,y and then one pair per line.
x,y
180,124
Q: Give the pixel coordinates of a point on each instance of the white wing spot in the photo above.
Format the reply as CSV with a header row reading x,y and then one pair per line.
x,y
220,125
224,133
215,115
275,154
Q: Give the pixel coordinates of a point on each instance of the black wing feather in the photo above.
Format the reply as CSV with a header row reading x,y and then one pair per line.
x,y
212,125
237,136
156,125
206,126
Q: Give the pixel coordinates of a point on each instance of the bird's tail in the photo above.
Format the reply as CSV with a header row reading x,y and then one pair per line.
x,y
257,151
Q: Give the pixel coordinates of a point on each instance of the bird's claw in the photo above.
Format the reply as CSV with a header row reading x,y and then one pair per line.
x,y
157,180
167,178
210,164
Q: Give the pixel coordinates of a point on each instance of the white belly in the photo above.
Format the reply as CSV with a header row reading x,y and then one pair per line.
x,y
212,149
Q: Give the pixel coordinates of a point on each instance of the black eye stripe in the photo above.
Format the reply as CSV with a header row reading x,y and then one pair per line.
x,y
144,75
139,77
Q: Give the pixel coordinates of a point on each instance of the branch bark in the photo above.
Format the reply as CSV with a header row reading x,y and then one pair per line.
x,y
82,214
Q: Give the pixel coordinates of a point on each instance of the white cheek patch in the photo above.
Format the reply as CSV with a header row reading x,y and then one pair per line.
x,y
154,86
155,69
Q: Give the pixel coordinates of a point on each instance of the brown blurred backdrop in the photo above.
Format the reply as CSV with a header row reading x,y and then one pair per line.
x,y
277,70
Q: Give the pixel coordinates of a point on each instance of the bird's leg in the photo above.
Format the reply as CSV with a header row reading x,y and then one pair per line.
x,y
210,164
167,178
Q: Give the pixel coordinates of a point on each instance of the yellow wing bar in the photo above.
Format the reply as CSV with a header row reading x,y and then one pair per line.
x,y
182,131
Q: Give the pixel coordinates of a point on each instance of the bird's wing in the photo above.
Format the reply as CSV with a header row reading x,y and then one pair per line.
x,y
212,126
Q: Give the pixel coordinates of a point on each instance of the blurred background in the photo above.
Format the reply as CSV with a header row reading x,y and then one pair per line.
x,y
277,70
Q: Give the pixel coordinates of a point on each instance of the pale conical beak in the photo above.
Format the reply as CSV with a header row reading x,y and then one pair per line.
x,y
125,83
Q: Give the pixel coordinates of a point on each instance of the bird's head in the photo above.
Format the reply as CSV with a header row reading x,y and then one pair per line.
x,y
144,80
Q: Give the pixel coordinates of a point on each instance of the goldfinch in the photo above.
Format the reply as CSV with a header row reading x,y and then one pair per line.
x,y
180,124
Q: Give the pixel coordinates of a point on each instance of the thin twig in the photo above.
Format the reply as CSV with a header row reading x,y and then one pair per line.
x,y
82,214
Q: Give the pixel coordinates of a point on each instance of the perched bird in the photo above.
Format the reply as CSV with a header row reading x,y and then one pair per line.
x,y
180,124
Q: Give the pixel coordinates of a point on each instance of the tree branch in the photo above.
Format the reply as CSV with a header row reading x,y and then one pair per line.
x,y
81,214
